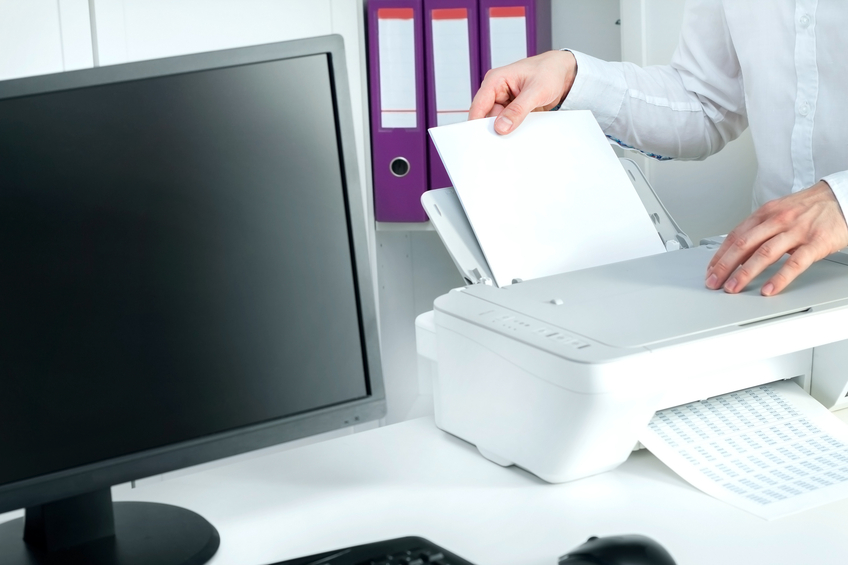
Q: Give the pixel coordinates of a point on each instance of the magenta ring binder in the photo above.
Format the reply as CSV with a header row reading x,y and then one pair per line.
x,y
438,175
538,21
399,154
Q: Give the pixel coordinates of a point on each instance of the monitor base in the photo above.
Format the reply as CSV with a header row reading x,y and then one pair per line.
x,y
145,533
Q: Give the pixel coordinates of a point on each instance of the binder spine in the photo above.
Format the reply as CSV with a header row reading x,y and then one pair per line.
x,y
453,70
397,86
511,30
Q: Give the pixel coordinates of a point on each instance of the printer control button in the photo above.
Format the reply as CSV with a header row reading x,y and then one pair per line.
x,y
557,301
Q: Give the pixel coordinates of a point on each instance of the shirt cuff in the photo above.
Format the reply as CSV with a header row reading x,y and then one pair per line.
x,y
838,183
599,87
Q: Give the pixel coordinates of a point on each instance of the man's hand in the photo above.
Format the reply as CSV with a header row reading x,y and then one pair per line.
x,y
809,225
511,92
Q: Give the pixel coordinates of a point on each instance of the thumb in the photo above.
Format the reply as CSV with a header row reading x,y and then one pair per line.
x,y
515,112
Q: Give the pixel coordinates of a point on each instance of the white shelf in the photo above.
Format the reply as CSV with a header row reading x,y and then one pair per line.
x,y
404,226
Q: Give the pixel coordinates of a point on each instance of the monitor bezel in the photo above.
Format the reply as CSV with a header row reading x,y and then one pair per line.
x,y
78,480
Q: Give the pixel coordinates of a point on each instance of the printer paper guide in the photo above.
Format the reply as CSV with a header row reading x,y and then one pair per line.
x,y
548,198
771,450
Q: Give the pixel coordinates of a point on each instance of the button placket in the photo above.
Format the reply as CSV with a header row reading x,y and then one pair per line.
x,y
806,94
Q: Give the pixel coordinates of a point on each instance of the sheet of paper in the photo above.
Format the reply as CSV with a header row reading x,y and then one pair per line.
x,y
548,198
771,450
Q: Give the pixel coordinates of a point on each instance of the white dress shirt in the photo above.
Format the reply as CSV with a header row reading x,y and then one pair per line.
x,y
780,65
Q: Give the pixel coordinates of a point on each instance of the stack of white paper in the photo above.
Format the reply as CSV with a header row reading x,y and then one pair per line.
x,y
771,450
548,198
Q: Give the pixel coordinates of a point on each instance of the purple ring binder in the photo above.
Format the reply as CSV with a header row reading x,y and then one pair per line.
x,y
538,22
399,154
439,9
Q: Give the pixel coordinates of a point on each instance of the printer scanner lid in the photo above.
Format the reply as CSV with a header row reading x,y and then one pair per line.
x,y
647,301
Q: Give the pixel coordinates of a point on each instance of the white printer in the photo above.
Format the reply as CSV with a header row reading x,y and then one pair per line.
x,y
559,375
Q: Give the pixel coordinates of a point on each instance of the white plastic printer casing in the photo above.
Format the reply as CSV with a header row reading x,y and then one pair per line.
x,y
560,375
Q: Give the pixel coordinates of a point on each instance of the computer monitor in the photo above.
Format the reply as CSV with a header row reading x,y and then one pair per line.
x,y
184,276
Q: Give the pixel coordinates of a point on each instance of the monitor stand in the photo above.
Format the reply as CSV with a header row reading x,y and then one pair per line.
x,y
89,529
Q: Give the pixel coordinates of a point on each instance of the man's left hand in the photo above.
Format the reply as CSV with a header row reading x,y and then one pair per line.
x,y
808,225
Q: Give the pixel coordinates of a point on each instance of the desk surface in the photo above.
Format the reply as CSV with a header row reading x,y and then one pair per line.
x,y
413,479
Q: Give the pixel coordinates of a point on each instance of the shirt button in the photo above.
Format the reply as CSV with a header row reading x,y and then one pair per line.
x,y
805,21
804,109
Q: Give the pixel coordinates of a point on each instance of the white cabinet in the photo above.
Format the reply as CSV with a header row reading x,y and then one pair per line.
x,y
132,30
30,40
43,36
590,27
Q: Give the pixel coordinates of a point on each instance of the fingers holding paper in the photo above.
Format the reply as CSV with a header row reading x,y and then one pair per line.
x,y
808,225
510,93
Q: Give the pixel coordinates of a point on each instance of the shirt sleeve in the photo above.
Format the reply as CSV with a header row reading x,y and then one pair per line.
x,y
838,183
689,109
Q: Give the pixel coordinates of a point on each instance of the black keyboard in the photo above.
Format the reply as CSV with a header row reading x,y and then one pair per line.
x,y
400,551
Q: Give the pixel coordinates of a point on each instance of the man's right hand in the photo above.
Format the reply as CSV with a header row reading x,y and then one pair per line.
x,y
510,93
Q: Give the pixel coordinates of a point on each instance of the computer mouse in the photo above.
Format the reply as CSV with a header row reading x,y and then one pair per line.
x,y
618,550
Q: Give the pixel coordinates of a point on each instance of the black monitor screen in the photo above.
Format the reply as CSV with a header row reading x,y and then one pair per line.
x,y
175,261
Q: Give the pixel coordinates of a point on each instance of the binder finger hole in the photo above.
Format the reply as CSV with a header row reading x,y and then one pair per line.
x,y
399,167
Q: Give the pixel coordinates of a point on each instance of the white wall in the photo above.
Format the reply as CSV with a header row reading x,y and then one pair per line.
x,y
705,197
132,30
43,36
413,270
587,26
30,40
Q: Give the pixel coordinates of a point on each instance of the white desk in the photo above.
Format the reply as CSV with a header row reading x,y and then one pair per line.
x,y
413,479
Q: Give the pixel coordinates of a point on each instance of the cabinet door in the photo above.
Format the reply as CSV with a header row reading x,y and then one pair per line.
x,y
132,30
43,36
590,27
30,38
